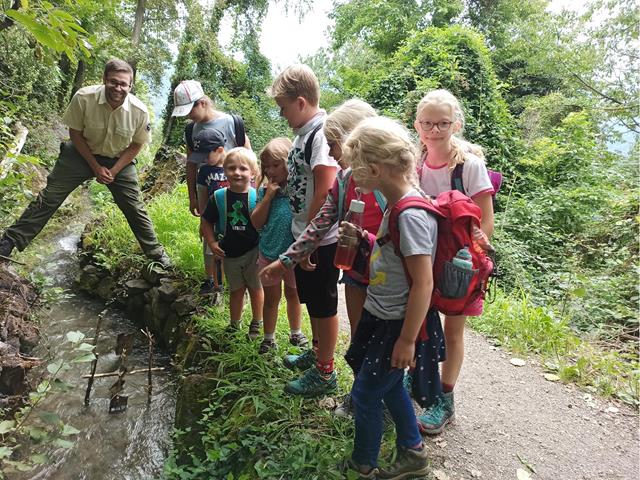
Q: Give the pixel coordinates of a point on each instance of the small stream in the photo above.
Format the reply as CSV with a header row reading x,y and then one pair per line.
x,y
129,445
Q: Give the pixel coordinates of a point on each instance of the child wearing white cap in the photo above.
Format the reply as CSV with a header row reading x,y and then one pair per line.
x,y
189,100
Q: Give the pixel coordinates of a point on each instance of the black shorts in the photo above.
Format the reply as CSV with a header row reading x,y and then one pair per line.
x,y
319,289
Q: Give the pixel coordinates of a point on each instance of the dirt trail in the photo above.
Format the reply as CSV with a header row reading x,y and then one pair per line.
x,y
507,416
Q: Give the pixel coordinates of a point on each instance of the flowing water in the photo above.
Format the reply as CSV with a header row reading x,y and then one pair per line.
x,y
128,445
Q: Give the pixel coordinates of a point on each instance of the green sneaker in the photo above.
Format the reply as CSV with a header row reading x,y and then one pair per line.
x,y
436,417
300,362
312,383
409,463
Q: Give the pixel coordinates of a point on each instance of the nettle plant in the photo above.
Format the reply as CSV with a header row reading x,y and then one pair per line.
x,y
32,431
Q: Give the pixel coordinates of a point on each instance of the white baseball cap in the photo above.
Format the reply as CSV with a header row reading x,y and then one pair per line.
x,y
185,95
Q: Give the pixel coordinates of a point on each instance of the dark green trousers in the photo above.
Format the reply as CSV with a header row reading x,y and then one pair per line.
x,y
68,173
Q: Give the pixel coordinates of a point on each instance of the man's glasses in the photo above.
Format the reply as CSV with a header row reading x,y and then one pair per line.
x,y
116,84
443,126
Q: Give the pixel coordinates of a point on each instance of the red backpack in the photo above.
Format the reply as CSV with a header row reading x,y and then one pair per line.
x,y
458,218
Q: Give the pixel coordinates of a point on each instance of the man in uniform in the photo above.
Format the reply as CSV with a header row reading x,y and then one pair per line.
x,y
108,127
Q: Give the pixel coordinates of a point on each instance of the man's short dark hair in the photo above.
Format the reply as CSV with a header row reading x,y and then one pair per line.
x,y
117,65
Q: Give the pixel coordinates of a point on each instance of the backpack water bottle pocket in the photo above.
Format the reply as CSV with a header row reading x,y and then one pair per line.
x,y
455,281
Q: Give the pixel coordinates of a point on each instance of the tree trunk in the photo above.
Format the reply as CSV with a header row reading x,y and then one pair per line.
x,y
78,80
7,21
135,36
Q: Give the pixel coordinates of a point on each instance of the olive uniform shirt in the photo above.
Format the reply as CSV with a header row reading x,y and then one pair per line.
x,y
107,131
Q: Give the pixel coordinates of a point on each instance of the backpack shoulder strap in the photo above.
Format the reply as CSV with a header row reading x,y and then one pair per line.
x,y
308,145
188,135
382,202
456,178
220,197
239,130
342,193
252,199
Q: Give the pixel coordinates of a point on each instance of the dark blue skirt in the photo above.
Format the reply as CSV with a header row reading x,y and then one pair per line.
x,y
372,346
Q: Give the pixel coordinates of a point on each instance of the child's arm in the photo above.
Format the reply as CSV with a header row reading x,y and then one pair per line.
x,y
317,229
192,174
260,213
485,202
323,178
210,237
419,268
202,196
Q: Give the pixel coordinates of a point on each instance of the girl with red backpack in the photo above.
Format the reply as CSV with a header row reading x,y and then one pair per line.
x,y
451,163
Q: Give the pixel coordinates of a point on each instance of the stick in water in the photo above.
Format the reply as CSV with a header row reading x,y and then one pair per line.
x,y
94,363
149,336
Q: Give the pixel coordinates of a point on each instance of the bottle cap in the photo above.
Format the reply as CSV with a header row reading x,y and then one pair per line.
x,y
356,206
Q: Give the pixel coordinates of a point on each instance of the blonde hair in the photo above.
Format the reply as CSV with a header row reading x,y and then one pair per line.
x,y
345,118
297,81
244,155
277,150
459,146
383,141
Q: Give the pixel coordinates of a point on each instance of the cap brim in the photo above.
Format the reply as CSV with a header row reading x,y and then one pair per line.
x,y
182,110
197,157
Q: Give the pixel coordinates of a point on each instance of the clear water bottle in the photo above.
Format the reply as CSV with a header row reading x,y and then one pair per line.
x,y
348,245
463,259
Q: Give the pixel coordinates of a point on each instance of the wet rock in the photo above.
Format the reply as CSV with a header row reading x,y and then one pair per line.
x,y
189,407
13,381
169,291
171,330
137,286
104,289
89,277
147,316
160,308
185,304
135,306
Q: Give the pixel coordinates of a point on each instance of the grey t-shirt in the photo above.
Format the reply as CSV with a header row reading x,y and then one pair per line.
x,y
224,123
388,287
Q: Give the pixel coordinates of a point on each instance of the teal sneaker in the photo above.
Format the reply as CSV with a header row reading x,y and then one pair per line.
x,y
436,417
409,463
312,383
300,362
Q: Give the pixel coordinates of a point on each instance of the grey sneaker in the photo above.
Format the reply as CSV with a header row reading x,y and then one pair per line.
x,y
254,329
345,408
6,246
298,339
436,417
300,362
409,463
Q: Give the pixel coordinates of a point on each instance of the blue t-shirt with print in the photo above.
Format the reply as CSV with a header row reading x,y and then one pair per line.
x,y
276,235
212,177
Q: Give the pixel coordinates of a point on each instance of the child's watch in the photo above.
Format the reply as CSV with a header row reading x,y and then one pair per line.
x,y
286,261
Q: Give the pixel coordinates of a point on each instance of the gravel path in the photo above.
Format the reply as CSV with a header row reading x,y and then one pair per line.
x,y
510,418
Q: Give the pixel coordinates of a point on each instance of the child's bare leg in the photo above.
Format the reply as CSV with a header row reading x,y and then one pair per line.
x,y
256,296
236,301
314,332
210,268
454,342
354,298
327,338
272,296
294,309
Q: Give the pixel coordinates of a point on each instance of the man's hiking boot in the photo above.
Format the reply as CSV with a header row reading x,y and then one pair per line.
x,y
160,257
6,246
409,463
436,417
298,339
300,362
267,346
312,383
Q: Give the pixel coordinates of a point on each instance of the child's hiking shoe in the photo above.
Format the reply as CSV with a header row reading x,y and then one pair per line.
x,y
409,463
345,408
436,417
312,383
208,287
298,339
6,246
364,472
233,326
301,362
267,346
254,329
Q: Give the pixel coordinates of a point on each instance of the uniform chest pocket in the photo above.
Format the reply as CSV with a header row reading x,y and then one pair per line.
x,y
124,133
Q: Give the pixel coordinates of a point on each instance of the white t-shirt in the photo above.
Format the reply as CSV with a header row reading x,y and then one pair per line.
x,y
300,184
475,178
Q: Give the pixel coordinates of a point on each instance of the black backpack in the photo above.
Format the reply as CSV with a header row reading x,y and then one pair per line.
x,y
238,129
308,145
